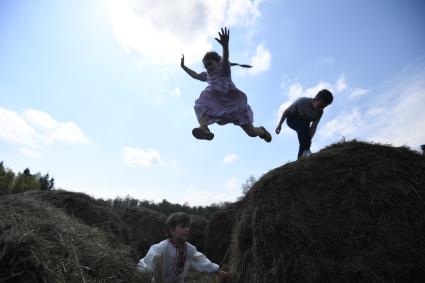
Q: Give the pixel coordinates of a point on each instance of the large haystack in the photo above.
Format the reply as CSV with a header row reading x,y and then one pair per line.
x,y
354,212
40,243
88,210
219,232
198,232
147,227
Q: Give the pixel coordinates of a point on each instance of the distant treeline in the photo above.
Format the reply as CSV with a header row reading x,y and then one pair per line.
x,y
166,207
11,183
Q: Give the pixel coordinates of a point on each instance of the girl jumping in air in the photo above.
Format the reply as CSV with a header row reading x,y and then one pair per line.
x,y
221,102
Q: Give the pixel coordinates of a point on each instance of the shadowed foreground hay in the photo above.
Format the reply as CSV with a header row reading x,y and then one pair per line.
x,y
147,227
40,243
90,211
354,212
198,232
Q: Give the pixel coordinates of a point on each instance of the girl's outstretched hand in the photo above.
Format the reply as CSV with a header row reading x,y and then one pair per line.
x,y
182,61
224,37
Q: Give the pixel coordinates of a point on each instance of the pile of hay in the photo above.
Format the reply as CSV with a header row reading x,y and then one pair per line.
x,y
198,232
90,211
354,212
219,234
40,243
146,226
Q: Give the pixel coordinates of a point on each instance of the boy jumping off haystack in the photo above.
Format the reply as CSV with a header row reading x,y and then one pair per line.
x,y
303,116
170,259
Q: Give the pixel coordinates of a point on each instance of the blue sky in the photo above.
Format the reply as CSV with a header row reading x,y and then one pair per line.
x,y
92,92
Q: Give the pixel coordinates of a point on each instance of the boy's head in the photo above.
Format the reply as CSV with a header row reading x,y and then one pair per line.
x,y
322,99
423,149
178,226
211,60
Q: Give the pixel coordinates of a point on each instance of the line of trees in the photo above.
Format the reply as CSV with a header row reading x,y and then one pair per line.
x,y
11,183
165,206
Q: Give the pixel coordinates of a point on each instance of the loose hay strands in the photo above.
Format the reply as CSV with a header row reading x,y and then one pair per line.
x,y
350,213
39,243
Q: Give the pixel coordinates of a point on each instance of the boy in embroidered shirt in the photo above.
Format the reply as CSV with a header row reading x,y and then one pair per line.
x,y
303,116
171,259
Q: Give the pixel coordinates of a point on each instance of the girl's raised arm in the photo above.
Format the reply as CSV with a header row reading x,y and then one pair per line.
x,y
191,72
224,41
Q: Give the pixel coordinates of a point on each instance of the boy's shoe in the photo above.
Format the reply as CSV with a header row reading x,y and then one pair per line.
x,y
306,153
266,136
202,134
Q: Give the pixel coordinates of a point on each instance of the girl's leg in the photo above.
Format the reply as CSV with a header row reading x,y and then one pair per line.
x,y
257,132
252,131
203,123
203,132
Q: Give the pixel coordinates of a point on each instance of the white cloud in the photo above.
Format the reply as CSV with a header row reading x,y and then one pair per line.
x,y
233,184
375,111
176,92
395,115
15,129
357,92
341,84
260,62
344,125
230,158
161,30
51,131
33,128
137,157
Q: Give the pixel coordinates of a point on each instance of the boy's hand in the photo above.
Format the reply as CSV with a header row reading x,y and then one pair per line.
x,y
182,61
278,129
223,274
224,37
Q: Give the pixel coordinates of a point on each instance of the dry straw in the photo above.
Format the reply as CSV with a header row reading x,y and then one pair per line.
x,y
40,243
353,212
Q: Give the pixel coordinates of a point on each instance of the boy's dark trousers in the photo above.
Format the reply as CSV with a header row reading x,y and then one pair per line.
x,y
302,128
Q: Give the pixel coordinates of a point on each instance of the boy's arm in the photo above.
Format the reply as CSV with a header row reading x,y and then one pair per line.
x,y
313,126
224,41
313,129
148,263
282,119
201,263
292,109
190,72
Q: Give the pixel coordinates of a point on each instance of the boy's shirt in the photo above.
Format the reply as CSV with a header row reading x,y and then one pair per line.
x,y
302,107
162,259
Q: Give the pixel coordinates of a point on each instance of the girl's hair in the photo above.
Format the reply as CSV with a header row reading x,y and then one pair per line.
x,y
212,55
325,96
175,219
